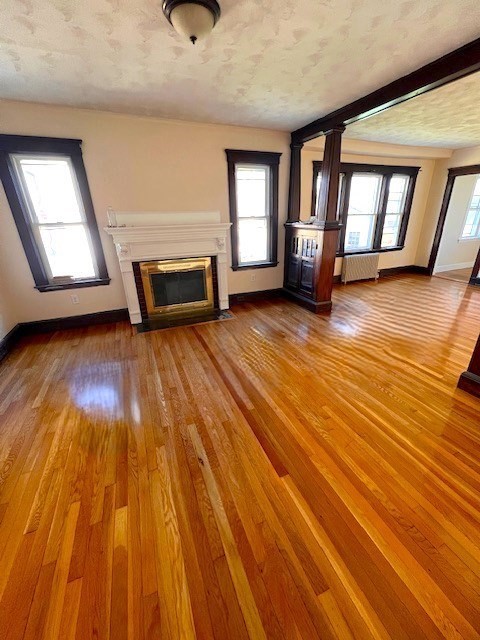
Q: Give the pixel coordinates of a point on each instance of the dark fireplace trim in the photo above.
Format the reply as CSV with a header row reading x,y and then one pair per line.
x,y
141,293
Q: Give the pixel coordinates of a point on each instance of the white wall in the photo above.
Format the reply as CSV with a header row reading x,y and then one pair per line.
x,y
459,158
136,164
454,253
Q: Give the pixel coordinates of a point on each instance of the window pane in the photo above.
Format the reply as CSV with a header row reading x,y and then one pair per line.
x,y
252,240
471,227
397,194
364,194
391,230
68,251
51,188
476,191
359,232
252,186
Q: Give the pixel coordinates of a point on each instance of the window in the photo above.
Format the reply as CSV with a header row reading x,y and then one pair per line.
x,y
253,194
46,186
374,203
362,210
471,228
353,239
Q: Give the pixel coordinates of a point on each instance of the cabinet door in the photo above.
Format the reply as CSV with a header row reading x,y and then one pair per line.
x,y
306,276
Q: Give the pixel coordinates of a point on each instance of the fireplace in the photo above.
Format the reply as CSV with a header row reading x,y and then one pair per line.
x,y
177,288
175,282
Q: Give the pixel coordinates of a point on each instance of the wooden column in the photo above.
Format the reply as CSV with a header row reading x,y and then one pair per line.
x,y
295,181
310,249
330,173
470,379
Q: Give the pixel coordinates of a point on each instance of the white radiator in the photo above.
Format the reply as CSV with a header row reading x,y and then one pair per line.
x,y
360,267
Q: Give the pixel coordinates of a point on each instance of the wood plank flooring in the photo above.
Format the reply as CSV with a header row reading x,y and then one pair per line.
x,y
278,475
459,275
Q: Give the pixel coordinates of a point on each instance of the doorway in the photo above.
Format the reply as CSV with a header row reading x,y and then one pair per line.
x,y
456,249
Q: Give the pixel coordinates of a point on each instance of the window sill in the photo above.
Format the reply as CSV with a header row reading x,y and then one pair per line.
x,y
77,284
364,252
261,265
476,239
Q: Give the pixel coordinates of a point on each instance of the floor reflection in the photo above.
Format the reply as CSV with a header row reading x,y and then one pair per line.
x,y
97,389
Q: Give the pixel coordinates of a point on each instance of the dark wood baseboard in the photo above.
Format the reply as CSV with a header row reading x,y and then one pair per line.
x,y
411,268
74,322
254,296
311,305
58,324
393,271
9,341
469,382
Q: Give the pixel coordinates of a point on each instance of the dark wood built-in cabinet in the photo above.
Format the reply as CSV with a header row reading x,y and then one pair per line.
x,y
309,263
310,249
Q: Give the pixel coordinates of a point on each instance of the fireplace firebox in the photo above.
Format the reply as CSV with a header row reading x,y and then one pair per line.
x,y
178,288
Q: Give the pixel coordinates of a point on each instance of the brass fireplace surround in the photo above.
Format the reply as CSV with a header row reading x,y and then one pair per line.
x,y
185,308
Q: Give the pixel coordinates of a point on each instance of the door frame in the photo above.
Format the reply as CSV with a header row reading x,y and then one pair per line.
x,y
453,173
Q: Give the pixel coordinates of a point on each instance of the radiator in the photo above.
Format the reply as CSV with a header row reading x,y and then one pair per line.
x,y
360,267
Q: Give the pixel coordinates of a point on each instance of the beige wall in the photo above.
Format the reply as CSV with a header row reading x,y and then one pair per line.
x,y
136,164
459,158
8,316
8,310
377,153
454,253
142,164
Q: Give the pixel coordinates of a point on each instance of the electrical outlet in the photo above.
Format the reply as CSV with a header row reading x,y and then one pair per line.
x,y
74,298
253,277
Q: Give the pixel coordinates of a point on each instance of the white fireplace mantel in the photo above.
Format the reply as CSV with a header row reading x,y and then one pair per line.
x,y
142,236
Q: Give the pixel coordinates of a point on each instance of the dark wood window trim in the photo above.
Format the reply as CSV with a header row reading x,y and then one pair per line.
x,y
271,159
387,171
55,146
453,173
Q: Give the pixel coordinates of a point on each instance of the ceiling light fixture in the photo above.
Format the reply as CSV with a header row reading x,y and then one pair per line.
x,y
193,19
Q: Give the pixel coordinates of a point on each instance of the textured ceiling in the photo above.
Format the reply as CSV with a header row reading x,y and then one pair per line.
x,y
448,117
268,63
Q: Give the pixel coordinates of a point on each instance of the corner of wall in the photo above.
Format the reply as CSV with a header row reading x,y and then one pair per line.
x,y
8,315
432,211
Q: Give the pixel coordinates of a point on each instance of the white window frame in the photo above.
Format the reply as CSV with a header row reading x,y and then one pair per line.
x,y
477,217
37,226
268,213
373,216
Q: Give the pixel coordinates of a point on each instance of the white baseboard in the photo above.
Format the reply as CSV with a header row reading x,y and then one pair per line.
x,y
451,267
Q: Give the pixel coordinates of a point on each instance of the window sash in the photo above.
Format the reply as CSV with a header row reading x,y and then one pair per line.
x,y
53,148
397,231
268,162
267,220
36,225
266,172
386,173
266,205
475,209
367,246
17,163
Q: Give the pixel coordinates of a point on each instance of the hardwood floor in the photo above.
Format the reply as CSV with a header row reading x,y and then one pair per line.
x,y
459,275
278,475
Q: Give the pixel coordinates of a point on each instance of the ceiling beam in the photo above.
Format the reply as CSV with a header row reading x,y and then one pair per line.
x,y
453,66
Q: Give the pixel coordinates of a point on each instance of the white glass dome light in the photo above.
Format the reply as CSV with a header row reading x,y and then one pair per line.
x,y
192,19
